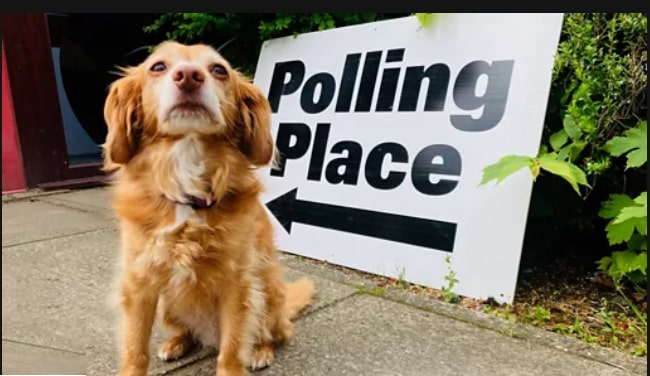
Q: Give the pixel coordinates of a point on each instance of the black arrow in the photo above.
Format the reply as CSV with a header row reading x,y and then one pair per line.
x,y
416,231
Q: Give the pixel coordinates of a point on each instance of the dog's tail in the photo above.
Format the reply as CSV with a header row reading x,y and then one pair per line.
x,y
299,294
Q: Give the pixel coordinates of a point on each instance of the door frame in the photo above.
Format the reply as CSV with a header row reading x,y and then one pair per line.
x,y
39,124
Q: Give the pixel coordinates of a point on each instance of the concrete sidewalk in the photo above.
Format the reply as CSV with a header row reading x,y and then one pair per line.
x,y
58,252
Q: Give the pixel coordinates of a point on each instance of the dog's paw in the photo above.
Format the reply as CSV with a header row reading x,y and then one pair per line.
x,y
262,357
175,347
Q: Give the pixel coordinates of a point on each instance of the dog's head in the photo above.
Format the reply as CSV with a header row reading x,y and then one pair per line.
x,y
179,90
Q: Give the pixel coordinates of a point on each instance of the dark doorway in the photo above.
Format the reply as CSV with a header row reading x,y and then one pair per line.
x,y
86,48
59,66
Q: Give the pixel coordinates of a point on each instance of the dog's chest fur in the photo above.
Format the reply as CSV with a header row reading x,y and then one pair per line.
x,y
185,279
188,162
183,175
186,171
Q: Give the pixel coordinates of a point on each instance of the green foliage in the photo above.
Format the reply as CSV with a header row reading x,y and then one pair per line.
x,y
540,314
377,291
506,314
634,141
401,279
448,293
288,24
625,264
505,167
552,163
510,164
628,224
610,327
193,27
187,27
599,81
426,19
626,216
250,29
536,316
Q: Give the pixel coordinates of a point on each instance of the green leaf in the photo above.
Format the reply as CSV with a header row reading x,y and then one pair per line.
x,y
543,149
566,170
426,19
613,206
637,158
628,261
558,139
642,262
571,128
634,140
575,149
604,263
618,233
505,167
642,199
636,211
620,145
629,212
580,175
631,139
563,154
637,242
641,225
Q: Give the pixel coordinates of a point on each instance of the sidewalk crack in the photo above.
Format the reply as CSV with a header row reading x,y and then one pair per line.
x,y
42,347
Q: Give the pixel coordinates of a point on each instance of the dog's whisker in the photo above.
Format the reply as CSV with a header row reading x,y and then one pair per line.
x,y
137,50
226,44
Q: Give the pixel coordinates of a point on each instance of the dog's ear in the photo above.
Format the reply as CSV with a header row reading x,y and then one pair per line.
x,y
254,123
123,115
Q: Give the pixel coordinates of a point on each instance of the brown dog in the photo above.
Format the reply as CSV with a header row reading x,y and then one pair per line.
x,y
185,133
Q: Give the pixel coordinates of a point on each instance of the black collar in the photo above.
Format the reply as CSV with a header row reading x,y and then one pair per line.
x,y
194,202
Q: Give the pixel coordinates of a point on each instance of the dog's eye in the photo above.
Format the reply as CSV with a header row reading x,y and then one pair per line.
x,y
219,70
158,67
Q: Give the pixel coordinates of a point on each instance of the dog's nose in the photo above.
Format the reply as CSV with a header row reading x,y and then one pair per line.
x,y
188,78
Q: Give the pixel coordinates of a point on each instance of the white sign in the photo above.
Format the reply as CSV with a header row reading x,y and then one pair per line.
x,y
384,129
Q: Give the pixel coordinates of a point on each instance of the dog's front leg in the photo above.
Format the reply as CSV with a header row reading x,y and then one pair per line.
x,y
236,326
139,309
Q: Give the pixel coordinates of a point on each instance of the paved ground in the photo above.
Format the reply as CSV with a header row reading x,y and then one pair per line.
x,y
58,252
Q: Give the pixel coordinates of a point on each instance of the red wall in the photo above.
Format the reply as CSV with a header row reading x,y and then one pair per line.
x,y
13,176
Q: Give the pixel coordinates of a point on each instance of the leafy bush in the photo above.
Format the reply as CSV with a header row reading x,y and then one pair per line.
x,y
628,217
250,30
600,71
